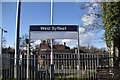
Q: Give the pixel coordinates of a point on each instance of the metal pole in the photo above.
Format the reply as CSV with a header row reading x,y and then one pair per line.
x,y
78,54
1,37
16,64
52,64
1,42
28,53
1,31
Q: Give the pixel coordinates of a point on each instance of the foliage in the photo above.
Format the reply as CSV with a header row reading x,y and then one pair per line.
x,y
98,51
93,16
24,42
109,13
110,16
111,21
3,42
72,77
94,50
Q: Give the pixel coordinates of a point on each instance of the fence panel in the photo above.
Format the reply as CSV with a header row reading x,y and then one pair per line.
x,y
92,66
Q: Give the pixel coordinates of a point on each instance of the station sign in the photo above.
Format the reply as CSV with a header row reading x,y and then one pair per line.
x,y
53,32
53,27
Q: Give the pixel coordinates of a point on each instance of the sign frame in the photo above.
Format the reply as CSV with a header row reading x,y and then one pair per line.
x,y
52,31
71,28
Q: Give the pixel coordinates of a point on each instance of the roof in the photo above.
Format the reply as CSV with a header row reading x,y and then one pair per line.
x,y
65,51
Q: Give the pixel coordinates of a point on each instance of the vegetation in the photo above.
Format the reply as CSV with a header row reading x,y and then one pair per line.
x,y
111,25
23,42
109,15
72,77
94,50
3,42
66,77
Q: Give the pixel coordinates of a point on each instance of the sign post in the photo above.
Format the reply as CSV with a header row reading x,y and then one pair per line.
x,y
54,32
1,31
51,63
17,54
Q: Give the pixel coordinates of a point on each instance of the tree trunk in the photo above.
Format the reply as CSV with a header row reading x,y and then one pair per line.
x,y
111,51
119,56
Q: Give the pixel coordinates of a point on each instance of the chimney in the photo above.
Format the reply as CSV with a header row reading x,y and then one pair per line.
x,y
64,43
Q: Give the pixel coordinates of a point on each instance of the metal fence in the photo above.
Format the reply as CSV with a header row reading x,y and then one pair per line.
x,y
65,66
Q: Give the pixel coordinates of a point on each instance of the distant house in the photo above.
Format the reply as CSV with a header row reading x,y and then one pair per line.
x,y
61,53
57,48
